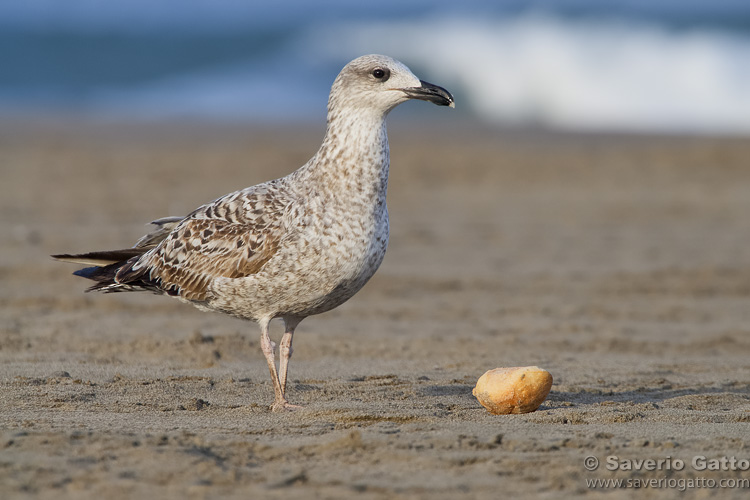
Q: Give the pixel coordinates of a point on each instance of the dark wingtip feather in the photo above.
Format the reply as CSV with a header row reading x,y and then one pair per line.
x,y
101,259
87,272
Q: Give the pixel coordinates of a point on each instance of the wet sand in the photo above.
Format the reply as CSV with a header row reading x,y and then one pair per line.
x,y
620,264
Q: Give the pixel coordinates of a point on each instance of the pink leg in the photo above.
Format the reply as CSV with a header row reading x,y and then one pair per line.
x,y
285,350
269,350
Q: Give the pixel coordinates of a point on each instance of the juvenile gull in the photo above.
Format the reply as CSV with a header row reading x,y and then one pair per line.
x,y
291,247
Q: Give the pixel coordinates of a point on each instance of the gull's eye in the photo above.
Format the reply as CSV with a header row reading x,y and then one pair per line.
x,y
381,74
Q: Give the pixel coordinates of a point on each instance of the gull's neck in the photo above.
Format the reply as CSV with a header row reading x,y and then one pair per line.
x,y
351,165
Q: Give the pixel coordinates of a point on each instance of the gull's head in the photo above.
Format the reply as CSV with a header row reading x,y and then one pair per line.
x,y
380,83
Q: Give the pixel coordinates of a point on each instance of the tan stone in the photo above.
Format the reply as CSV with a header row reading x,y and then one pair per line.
x,y
513,390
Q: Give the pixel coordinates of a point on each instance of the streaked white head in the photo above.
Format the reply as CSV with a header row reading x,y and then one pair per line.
x,y
380,83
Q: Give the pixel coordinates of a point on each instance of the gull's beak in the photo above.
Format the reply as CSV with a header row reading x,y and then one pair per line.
x,y
430,92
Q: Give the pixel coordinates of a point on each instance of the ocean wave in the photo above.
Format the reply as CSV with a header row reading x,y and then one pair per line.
x,y
593,74
574,72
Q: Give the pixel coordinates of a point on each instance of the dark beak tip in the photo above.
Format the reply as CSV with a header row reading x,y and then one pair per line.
x,y
432,93
442,96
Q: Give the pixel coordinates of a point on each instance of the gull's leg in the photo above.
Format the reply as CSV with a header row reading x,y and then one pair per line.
x,y
285,350
269,349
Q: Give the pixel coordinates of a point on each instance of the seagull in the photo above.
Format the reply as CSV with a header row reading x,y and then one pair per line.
x,y
291,247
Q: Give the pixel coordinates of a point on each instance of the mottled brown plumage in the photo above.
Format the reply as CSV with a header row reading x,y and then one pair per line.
x,y
291,247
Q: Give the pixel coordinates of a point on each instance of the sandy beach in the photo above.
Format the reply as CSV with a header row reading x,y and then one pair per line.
x,y
621,264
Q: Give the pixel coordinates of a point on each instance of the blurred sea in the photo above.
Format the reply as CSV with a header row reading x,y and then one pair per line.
x,y
632,65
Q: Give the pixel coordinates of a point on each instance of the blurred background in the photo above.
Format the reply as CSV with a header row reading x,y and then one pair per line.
x,y
669,66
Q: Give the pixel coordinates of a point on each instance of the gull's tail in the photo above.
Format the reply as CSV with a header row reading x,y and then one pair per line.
x,y
105,265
